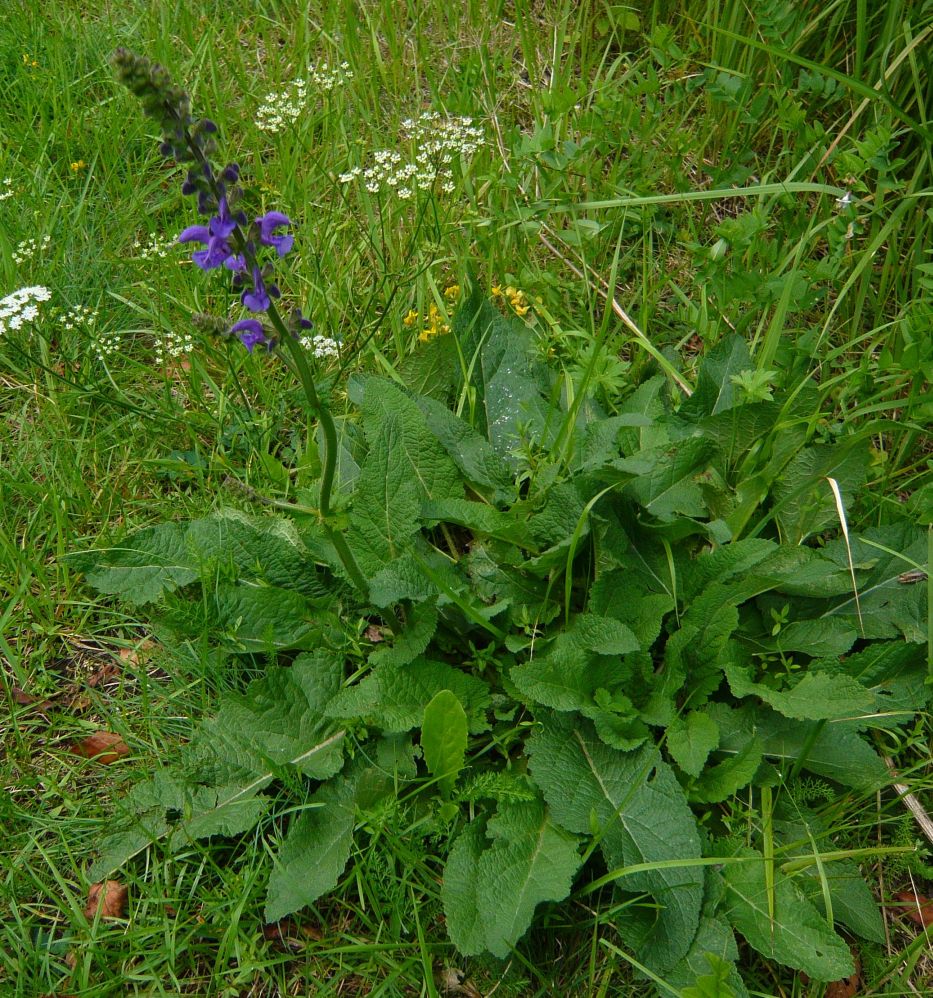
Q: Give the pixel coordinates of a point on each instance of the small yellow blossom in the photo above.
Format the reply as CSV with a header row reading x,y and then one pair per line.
x,y
411,318
452,293
496,291
29,61
520,309
78,165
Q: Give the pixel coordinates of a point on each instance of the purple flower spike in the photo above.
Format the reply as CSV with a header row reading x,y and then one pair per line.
x,y
256,300
214,236
268,223
250,332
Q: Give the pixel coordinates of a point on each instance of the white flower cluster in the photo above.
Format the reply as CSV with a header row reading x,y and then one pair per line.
x,y
437,141
153,247
107,344
6,189
28,248
173,344
77,315
21,306
321,346
281,109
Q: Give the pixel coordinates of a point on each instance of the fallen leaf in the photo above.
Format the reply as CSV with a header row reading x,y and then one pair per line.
x,y
374,633
847,987
918,908
139,653
103,674
291,934
103,746
109,898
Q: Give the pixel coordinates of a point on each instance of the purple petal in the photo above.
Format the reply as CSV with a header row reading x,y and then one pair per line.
x,y
250,332
195,234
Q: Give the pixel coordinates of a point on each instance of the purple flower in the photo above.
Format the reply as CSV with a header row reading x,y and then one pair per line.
x,y
257,299
214,235
250,332
268,223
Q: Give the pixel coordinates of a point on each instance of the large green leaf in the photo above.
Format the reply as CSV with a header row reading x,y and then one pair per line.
x,y
277,724
490,892
314,852
642,816
146,565
394,697
444,739
404,467
797,936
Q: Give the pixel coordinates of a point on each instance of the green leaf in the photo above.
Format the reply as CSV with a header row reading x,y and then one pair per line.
x,y
642,815
718,783
691,739
669,487
314,852
715,391
490,892
798,935
277,724
259,618
832,750
461,891
817,638
431,369
804,503
404,467
817,696
715,984
479,519
420,625
147,564
444,739
479,463
394,697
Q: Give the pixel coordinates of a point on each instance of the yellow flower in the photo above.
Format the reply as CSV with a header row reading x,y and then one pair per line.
x,y
410,319
452,293
496,291
520,309
29,61
77,165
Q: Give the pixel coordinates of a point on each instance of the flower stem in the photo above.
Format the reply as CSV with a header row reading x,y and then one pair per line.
x,y
329,457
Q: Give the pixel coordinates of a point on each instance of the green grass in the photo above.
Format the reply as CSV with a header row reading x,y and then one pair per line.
x,y
644,158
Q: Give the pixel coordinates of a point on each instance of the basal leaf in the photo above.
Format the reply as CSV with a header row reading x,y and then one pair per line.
x,y
478,461
143,567
259,618
444,739
420,625
715,391
670,488
797,936
314,852
833,749
405,467
642,816
817,696
490,891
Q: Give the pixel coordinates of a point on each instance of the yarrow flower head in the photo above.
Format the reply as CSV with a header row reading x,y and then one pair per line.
x,y
284,107
21,307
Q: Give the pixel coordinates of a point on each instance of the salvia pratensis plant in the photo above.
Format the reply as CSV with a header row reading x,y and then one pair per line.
x,y
231,241
607,678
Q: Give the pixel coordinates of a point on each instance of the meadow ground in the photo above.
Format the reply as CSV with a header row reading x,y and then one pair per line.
x,y
634,184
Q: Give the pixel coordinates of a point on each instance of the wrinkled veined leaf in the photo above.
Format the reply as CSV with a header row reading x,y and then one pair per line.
x,y
797,936
642,817
490,891
143,567
314,852
690,739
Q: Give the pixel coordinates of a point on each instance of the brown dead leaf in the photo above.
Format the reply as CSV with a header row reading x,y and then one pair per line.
x,y
103,746
918,908
374,633
849,986
103,674
291,934
109,898
134,656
